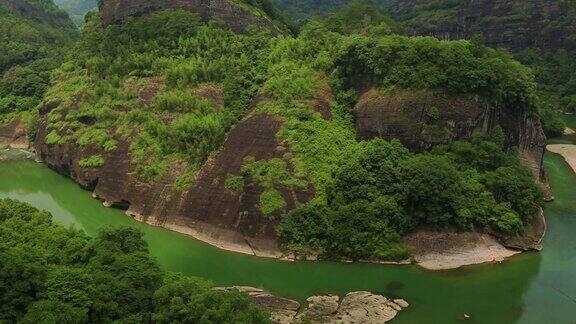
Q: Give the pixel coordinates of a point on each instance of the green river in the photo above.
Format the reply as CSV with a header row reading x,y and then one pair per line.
x,y
530,288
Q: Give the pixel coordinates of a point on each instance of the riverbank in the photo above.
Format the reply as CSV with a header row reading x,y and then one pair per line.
x,y
567,151
432,250
445,250
528,288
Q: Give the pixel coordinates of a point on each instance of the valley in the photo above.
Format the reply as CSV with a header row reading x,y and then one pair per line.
x,y
255,160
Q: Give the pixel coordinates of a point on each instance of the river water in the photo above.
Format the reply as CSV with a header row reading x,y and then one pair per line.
x,y
530,288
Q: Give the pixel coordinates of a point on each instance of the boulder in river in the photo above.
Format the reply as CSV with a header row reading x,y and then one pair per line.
x,y
282,310
355,307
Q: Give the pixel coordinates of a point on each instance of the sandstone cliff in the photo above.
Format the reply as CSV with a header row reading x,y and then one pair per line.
x,y
207,211
515,24
406,115
236,16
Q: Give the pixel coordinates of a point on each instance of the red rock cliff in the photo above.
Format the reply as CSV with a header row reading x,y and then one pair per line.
x,y
404,115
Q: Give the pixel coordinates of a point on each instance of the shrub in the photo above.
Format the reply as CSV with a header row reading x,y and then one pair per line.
x,y
235,183
271,201
94,161
53,138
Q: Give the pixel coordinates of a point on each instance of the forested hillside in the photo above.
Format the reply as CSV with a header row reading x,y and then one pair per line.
x,y
300,10
539,33
252,134
35,37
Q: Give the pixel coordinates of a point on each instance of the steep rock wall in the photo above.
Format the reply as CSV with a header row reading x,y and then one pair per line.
x,y
229,15
406,115
207,211
514,24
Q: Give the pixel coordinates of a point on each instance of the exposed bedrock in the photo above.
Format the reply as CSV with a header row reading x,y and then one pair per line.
x,y
207,211
355,307
14,134
226,13
421,119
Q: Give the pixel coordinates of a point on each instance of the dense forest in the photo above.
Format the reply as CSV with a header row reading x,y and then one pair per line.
x,y
34,40
53,274
554,69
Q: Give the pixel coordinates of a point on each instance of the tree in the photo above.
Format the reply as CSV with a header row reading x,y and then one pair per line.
x,y
191,300
431,184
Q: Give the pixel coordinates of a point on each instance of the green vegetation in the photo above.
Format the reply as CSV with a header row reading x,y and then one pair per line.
x,y
34,42
382,191
142,83
271,201
301,10
556,76
362,17
77,9
268,173
52,274
428,63
95,161
235,183
167,57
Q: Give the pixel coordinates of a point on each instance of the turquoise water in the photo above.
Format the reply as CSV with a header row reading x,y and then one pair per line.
x,y
530,288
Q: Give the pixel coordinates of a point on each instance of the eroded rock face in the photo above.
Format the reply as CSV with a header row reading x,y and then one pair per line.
x,y
514,24
423,119
208,210
355,307
226,13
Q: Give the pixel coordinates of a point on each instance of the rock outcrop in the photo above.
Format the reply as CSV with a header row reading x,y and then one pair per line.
x,y
355,307
282,310
423,119
515,24
208,211
228,14
14,134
